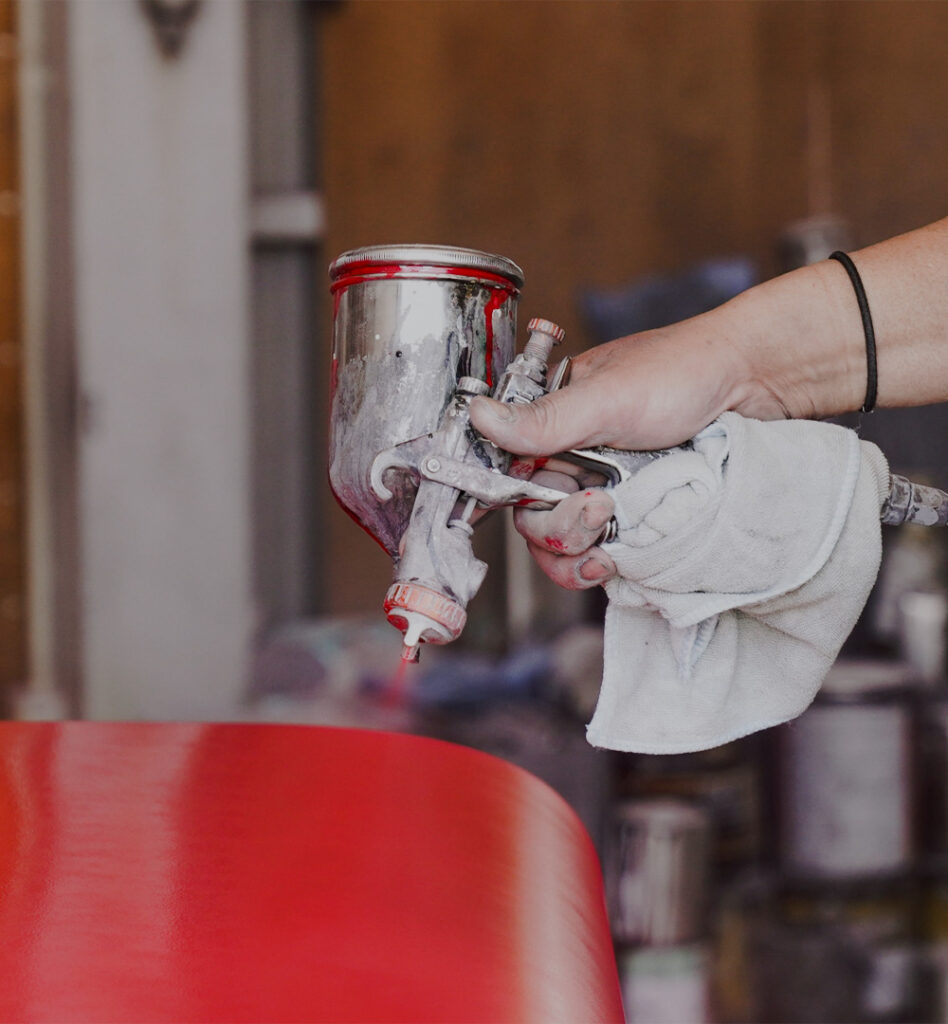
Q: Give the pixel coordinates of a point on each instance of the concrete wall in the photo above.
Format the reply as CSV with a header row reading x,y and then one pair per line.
x,y
158,193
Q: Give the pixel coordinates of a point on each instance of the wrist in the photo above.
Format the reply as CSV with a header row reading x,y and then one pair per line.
x,y
800,352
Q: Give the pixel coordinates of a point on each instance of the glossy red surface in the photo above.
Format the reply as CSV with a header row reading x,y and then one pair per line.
x,y
165,872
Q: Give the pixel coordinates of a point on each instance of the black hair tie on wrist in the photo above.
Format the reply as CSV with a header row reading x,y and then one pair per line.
x,y
872,378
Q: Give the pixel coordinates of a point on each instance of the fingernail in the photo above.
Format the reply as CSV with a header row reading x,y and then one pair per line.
x,y
593,570
596,514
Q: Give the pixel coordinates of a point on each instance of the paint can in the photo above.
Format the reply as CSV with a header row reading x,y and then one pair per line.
x,y
871,925
725,781
408,322
667,985
922,619
846,778
657,862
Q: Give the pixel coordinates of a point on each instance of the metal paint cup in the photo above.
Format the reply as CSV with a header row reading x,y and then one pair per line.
x,y
408,322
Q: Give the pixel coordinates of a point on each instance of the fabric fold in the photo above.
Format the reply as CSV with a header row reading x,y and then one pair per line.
x,y
743,566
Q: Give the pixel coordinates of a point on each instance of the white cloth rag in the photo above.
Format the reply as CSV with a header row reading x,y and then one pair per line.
x,y
743,566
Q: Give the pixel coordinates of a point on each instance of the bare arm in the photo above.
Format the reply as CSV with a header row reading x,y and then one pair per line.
x,y
790,347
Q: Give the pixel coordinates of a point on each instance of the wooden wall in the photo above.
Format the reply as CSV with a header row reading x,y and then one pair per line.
x,y
596,142
12,490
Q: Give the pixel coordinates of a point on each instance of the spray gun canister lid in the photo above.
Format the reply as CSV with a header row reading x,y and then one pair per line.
x,y
424,260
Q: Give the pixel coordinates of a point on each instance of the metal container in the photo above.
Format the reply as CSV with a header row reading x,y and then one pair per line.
x,y
408,322
922,619
657,869
846,778
724,780
670,985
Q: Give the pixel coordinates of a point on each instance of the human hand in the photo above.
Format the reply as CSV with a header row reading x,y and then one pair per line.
x,y
791,347
563,541
629,394
643,392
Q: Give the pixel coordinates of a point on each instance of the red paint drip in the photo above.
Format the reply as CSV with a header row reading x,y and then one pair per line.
x,y
497,298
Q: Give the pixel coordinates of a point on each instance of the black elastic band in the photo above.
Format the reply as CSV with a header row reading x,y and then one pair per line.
x,y
872,377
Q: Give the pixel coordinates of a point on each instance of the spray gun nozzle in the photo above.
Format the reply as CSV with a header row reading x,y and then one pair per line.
x,y
411,653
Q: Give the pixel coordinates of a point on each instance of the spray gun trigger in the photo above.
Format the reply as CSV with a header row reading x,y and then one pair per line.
x,y
490,487
561,376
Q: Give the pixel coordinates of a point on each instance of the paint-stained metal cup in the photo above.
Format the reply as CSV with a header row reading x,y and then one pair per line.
x,y
657,872
408,322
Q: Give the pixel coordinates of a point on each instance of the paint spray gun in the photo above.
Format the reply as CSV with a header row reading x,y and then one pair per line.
x,y
418,331
460,473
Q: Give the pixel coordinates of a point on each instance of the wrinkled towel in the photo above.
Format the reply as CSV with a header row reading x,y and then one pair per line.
x,y
743,566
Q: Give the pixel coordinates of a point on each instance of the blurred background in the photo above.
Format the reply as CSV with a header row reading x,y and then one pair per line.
x,y
175,177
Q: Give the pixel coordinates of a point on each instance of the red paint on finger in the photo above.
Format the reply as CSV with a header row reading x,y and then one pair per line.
x,y
555,544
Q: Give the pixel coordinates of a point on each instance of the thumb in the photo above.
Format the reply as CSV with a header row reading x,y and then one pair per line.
x,y
553,423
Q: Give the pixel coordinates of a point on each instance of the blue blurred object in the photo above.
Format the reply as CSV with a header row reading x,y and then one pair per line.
x,y
467,679
661,299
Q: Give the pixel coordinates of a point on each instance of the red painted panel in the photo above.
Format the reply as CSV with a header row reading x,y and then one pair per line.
x,y
156,872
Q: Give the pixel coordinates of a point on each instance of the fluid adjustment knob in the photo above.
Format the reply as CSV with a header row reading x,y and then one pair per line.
x,y
547,327
544,334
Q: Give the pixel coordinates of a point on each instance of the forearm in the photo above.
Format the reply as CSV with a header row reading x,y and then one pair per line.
x,y
790,347
802,341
